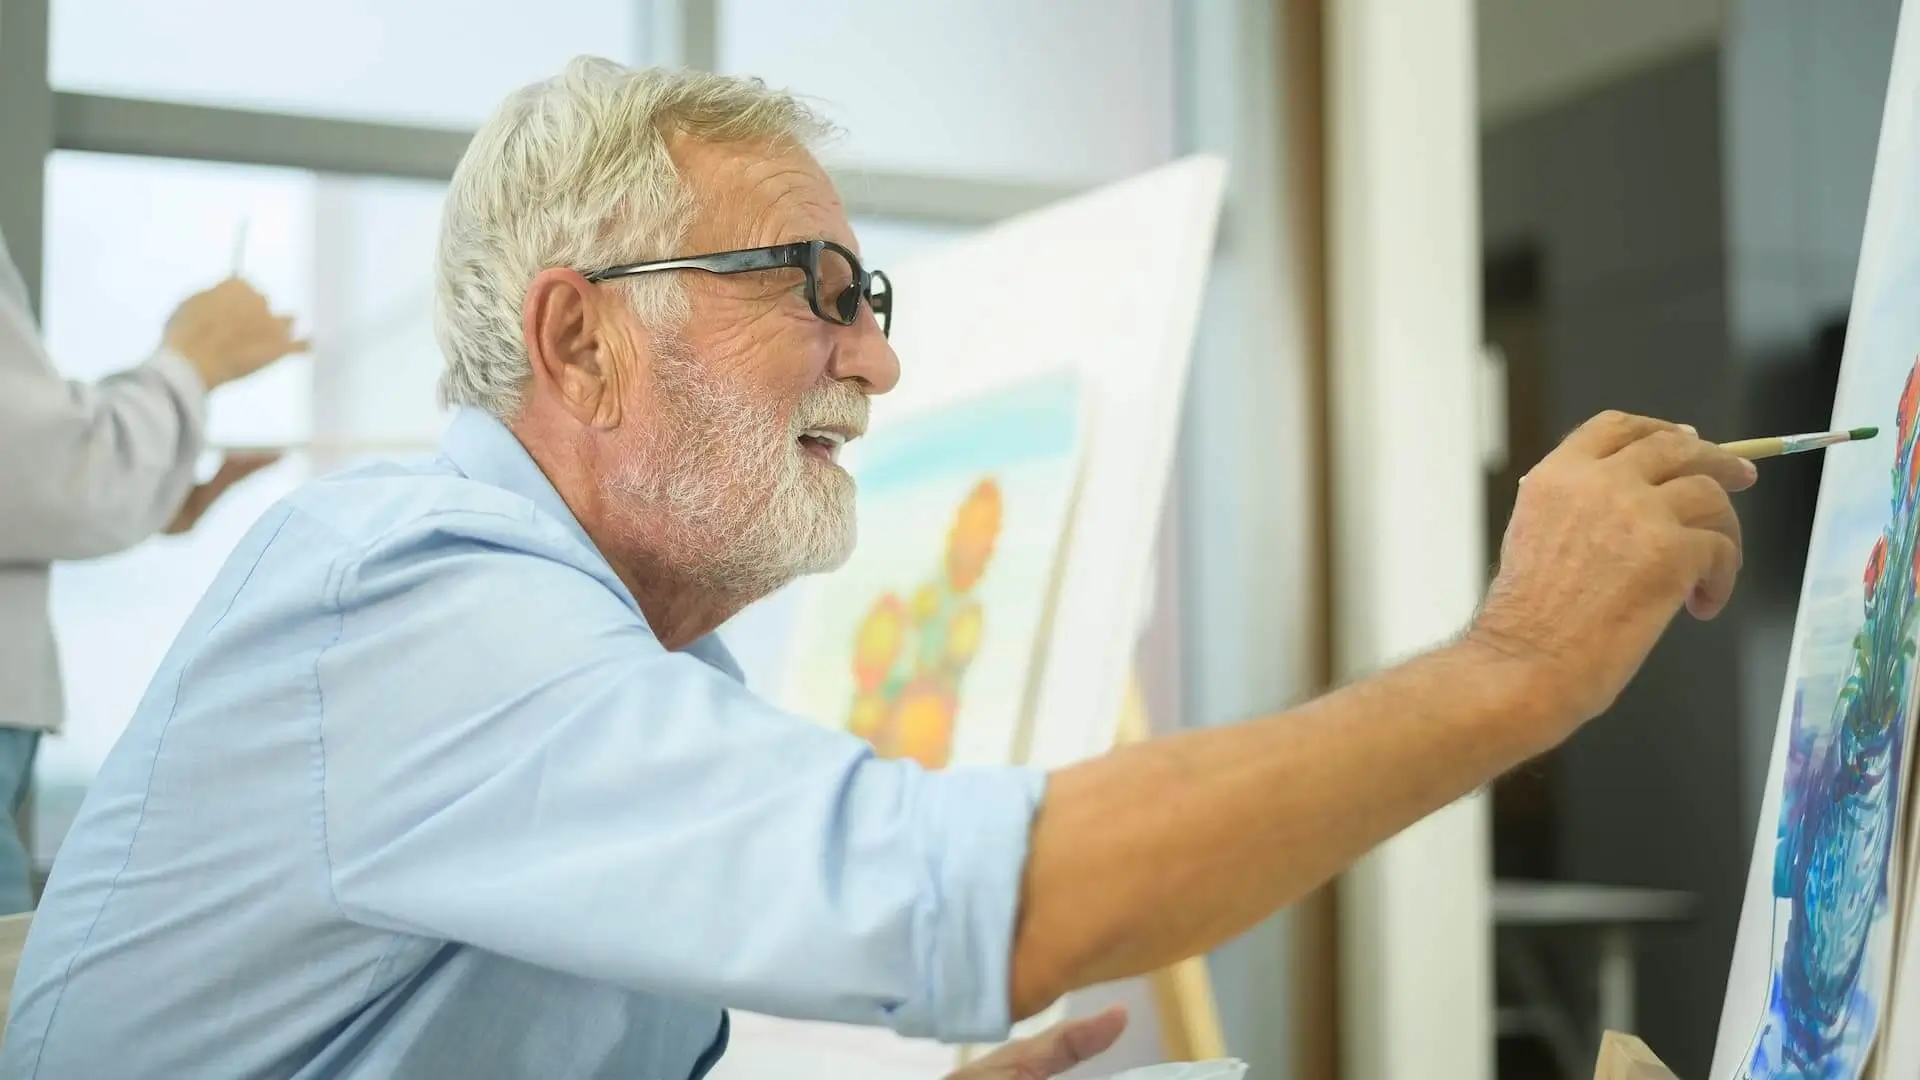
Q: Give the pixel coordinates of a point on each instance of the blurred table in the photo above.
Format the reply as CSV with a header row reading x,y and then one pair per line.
x,y
1612,914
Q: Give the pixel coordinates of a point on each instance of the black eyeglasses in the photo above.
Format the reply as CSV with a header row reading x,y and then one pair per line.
x,y
836,282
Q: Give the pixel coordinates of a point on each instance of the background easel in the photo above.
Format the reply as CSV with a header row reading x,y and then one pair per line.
x,y
1182,992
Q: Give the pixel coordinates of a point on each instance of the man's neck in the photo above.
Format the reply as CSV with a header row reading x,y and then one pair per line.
x,y
678,611
679,608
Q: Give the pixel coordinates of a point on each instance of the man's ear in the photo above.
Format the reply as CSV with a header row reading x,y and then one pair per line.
x,y
573,345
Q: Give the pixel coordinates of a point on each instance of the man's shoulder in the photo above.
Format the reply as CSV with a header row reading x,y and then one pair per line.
x,y
362,504
374,508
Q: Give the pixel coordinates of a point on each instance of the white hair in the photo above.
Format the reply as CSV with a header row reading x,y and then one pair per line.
x,y
575,171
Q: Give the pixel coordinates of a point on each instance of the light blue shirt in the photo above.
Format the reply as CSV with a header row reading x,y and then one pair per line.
x,y
416,793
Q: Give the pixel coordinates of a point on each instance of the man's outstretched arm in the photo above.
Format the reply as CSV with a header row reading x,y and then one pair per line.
x,y
1205,833
1161,851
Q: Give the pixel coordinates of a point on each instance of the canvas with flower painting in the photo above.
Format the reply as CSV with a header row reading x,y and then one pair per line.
x,y
927,642
1825,978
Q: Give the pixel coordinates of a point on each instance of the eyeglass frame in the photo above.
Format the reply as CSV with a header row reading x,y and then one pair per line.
x,y
802,255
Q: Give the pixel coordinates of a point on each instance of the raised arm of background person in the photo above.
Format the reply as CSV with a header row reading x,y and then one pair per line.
x,y
92,468
1161,851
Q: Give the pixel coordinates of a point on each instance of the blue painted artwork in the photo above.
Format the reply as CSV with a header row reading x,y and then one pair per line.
x,y
1832,884
1818,976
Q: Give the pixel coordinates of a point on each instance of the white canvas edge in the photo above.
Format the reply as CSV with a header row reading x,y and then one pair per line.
x,y
1064,694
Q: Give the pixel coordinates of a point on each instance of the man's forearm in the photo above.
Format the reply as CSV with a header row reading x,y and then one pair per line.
x,y
1161,851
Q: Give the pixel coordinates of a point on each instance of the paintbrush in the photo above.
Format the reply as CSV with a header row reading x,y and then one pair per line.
x,y
1774,446
239,246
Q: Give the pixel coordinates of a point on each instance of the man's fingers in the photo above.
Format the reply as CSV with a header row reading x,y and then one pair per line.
x,y
1609,432
1719,560
199,497
233,469
1701,505
236,467
1699,502
1052,1051
1664,455
1095,1035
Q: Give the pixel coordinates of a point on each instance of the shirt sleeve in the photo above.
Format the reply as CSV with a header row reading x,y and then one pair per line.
x,y
511,760
87,469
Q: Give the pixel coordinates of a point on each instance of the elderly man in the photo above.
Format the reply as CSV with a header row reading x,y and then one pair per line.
x,y
87,469
448,777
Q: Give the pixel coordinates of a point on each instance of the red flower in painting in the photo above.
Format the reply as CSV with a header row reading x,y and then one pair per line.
x,y
1876,564
1909,402
1906,429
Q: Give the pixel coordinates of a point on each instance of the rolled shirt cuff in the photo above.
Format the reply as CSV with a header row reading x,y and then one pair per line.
x,y
985,817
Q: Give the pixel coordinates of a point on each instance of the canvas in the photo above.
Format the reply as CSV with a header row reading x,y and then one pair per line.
x,y
925,642
1813,976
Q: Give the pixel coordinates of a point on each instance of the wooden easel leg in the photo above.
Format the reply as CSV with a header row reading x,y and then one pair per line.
x,y
1183,992
1623,1057
1189,1019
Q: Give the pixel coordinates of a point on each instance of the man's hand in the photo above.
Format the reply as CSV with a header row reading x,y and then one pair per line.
x,y
234,469
228,331
1612,533
1051,1052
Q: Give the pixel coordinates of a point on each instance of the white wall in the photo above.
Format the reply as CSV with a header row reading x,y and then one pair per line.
x,y
1070,91
1416,950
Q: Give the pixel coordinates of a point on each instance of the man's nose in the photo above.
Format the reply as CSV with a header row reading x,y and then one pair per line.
x,y
864,353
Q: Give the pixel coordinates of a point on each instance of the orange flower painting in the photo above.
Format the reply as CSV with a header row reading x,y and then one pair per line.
x,y
910,684
924,643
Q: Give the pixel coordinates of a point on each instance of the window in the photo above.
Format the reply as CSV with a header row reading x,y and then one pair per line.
x,y
1073,91
436,62
352,257
377,361
115,268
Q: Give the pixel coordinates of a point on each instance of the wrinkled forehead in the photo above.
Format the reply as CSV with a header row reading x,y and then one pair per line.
x,y
751,194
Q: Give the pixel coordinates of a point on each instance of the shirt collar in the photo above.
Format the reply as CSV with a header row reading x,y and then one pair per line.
x,y
484,449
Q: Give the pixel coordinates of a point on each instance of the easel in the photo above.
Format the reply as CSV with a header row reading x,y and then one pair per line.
x,y
1182,992
1623,1057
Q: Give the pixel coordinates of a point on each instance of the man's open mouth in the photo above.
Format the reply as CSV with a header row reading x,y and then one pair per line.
x,y
822,443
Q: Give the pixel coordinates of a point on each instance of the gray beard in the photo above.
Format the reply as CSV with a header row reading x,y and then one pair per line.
x,y
744,512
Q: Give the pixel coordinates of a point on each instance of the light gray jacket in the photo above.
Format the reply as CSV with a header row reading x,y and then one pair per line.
x,y
86,469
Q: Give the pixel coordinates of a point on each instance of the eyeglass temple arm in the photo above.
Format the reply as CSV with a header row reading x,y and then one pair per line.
x,y
729,262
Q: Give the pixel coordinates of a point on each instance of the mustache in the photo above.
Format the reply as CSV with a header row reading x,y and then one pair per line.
x,y
832,405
